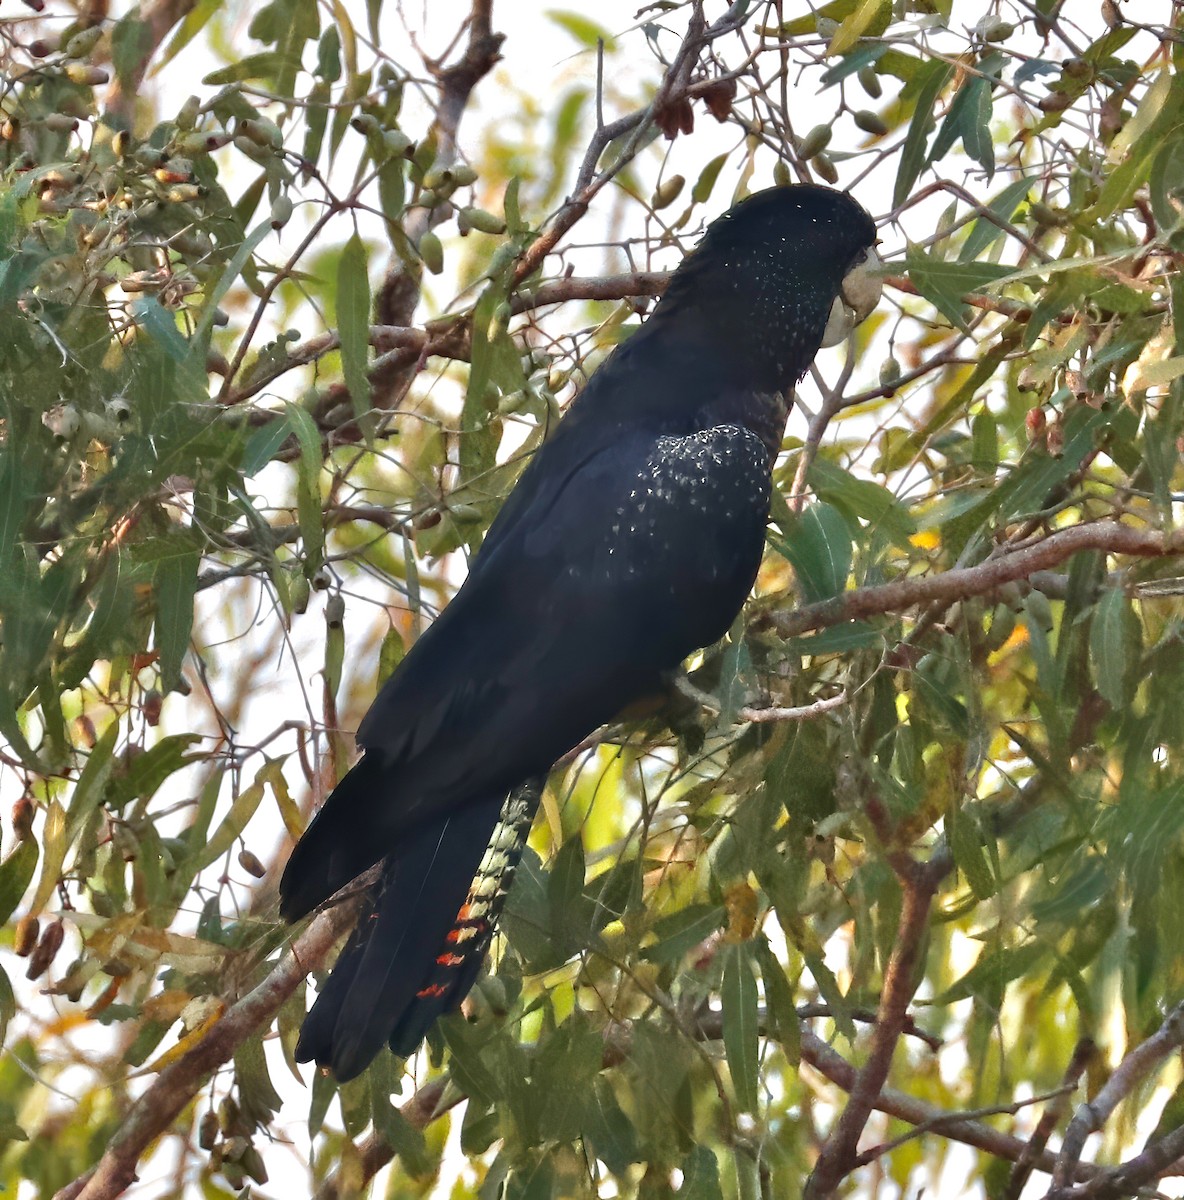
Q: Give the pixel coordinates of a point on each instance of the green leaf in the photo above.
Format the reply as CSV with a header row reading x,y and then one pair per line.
x,y
324,1088
819,547
88,791
984,443
149,770
838,639
565,894
707,177
1028,488
946,283
864,498
933,78
564,1069
738,997
984,232
830,991
468,1067
265,25
308,488
1110,643
15,488
1164,183
263,444
993,971
7,1005
748,1172
526,920
969,119
195,21
242,809
967,846
611,1135
869,17
390,654
353,321
329,55
586,31
681,931
779,1002
16,873
700,1176
252,66
853,63
148,1037
316,120
356,87
131,45
257,1096
53,838
496,367
511,208
176,587
1152,131
302,26
231,275
408,1143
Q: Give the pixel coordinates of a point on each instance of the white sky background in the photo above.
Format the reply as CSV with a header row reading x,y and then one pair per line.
x,y
541,58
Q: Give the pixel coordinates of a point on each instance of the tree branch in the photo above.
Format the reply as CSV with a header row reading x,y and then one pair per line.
x,y
673,87
1092,1115
451,339
176,1085
426,1105
1083,1052
801,712
399,294
839,1071
964,582
840,1150
158,19
1126,1179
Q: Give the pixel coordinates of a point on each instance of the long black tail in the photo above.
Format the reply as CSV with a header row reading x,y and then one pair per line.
x,y
421,936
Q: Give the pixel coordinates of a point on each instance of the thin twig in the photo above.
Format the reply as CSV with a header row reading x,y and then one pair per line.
x,y
672,88
451,339
873,1153
1085,1050
833,403
759,716
1093,1114
955,1126
803,712
176,1085
1127,1178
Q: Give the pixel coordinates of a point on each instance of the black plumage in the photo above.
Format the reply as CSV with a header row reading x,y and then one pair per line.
x,y
631,539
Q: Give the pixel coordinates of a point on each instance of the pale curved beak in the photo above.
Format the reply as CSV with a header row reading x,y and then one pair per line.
x,y
857,298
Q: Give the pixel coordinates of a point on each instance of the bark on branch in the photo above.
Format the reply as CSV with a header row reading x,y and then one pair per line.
x,y
948,587
1092,1115
840,1151
158,20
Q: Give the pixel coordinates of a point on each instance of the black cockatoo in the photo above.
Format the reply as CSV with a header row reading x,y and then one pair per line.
x,y
632,538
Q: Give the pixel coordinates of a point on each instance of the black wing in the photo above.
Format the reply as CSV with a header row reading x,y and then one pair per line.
x,y
644,552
